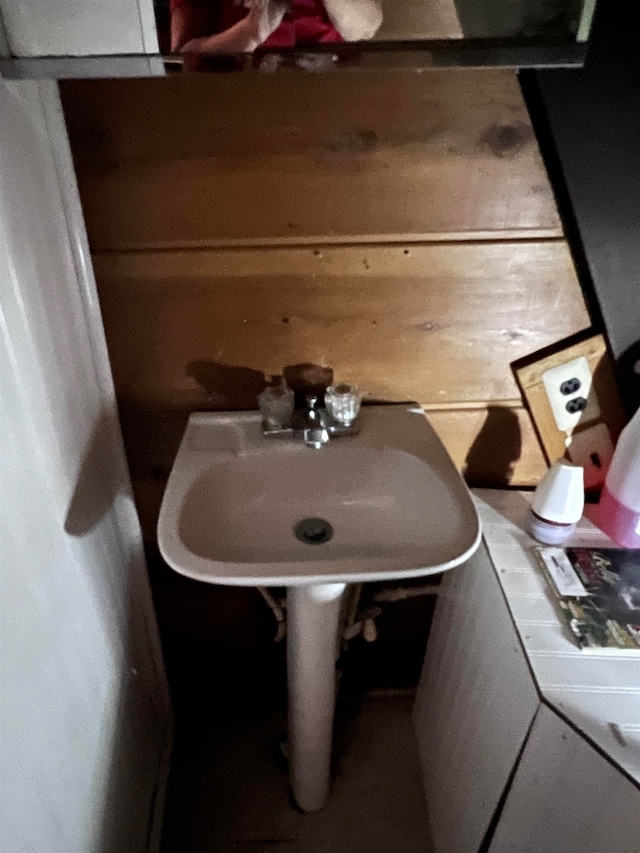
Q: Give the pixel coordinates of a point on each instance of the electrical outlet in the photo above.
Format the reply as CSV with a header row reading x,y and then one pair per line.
x,y
568,389
580,375
591,448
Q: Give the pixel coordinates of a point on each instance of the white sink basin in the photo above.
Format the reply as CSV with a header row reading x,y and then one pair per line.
x,y
389,502
396,503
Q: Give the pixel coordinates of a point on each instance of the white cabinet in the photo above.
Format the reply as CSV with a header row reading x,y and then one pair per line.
x,y
475,704
566,797
527,745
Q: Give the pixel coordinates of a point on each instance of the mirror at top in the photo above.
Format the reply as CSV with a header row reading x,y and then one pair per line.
x,y
268,27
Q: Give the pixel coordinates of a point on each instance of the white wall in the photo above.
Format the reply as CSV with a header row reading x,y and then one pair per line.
x,y
85,718
79,27
4,42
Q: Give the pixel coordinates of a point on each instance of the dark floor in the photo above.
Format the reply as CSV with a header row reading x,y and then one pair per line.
x,y
228,790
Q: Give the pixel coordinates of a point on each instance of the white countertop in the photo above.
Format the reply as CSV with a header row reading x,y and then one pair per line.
x,y
598,693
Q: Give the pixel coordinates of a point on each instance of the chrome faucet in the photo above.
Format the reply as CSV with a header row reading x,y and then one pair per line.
x,y
316,425
313,425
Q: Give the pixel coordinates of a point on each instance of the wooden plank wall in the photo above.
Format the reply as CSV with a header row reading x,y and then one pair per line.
x,y
205,161
392,228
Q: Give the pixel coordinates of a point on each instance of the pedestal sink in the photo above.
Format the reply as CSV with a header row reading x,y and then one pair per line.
x,y
243,510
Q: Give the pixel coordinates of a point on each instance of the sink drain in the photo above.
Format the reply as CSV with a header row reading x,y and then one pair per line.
x,y
313,531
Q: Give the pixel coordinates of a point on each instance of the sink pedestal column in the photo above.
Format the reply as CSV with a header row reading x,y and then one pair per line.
x,y
313,615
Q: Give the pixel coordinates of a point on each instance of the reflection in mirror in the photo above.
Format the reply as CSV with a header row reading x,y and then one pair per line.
x,y
233,27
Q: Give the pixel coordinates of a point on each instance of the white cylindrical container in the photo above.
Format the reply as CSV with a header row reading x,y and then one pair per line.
x,y
618,513
557,504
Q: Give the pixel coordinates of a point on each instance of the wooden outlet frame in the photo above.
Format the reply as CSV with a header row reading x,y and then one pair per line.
x,y
528,373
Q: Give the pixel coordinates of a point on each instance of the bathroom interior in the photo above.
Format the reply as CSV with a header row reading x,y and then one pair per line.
x,y
412,234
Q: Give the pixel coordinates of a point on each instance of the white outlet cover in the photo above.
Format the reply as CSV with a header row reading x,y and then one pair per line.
x,y
552,379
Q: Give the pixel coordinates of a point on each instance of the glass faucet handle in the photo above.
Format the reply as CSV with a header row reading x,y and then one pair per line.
x,y
343,403
276,406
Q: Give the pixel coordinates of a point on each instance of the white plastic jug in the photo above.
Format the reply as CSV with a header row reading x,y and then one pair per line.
x,y
618,513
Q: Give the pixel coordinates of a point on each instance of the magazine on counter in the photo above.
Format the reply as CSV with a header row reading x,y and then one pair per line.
x,y
598,591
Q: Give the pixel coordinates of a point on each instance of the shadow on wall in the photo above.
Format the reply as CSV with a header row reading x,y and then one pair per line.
x,y
136,728
229,387
96,489
497,447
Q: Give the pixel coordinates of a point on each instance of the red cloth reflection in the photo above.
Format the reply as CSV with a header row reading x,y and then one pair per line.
x,y
305,22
